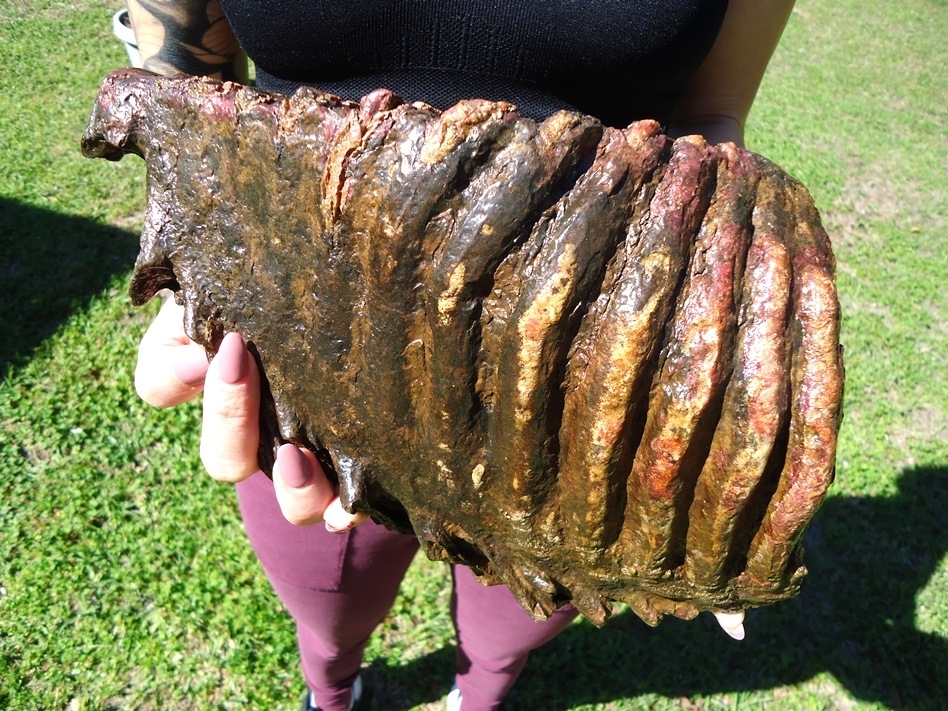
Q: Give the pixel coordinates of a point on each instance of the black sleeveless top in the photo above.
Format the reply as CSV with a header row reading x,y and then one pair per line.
x,y
618,60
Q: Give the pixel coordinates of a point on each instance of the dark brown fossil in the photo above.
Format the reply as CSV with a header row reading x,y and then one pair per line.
x,y
591,364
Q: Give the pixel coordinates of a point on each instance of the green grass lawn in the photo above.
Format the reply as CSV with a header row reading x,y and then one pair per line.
x,y
125,579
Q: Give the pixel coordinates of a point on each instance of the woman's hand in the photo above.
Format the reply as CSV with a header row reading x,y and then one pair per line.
x,y
714,129
172,369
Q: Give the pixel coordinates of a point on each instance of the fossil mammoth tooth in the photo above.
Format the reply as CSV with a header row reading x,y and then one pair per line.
x,y
596,365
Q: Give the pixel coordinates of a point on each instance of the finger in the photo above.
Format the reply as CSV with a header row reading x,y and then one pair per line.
x,y
338,520
301,486
231,428
732,623
171,367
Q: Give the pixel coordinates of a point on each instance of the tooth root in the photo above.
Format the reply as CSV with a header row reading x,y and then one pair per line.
x,y
120,118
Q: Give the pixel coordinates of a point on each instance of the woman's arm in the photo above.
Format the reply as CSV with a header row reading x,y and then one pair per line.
x,y
189,36
719,96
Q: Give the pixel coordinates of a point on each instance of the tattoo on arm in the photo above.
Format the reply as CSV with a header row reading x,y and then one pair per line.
x,y
196,39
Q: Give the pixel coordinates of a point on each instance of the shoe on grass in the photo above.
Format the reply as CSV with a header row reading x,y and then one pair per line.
x,y
310,705
453,702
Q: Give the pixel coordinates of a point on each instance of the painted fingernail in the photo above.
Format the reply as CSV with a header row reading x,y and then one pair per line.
x,y
191,367
338,520
294,468
233,358
732,623
736,632
343,529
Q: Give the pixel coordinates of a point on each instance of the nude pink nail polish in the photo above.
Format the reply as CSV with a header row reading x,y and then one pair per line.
x,y
191,368
345,529
294,468
233,358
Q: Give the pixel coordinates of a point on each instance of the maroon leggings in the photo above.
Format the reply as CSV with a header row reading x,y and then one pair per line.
x,y
339,587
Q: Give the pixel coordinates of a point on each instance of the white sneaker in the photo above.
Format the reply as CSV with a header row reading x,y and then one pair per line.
x,y
310,705
453,702
356,692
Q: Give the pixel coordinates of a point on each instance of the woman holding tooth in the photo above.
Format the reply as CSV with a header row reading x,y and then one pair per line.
x,y
695,65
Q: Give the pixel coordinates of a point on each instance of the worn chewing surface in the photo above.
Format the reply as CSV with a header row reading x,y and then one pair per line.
x,y
592,364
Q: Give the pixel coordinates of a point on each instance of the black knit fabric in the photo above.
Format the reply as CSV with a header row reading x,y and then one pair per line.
x,y
619,60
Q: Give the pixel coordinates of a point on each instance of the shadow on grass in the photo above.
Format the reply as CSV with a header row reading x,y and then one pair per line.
x,y
868,559
50,266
